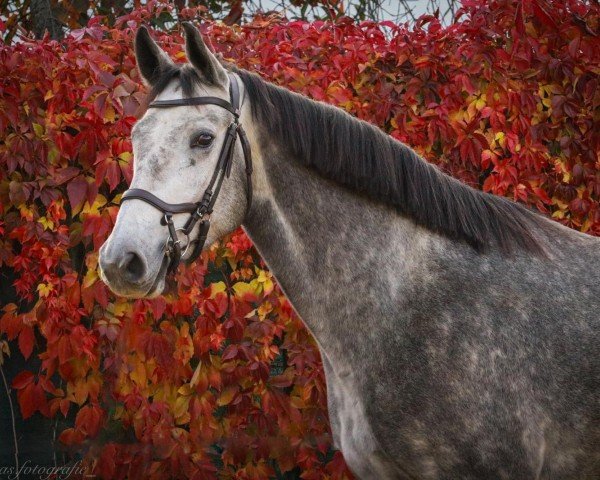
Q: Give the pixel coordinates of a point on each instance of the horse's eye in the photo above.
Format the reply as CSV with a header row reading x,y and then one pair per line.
x,y
203,140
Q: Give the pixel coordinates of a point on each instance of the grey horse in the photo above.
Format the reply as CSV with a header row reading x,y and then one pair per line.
x,y
458,330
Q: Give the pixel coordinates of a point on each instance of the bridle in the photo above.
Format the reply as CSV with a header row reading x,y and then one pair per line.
x,y
200,211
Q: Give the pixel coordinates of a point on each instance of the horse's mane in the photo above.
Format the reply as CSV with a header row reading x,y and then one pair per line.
x,y
361,157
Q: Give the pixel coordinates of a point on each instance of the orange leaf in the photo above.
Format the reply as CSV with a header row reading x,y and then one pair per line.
x,y
227,395
88,420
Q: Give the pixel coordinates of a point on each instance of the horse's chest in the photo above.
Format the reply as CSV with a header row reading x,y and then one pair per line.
x,y
353,434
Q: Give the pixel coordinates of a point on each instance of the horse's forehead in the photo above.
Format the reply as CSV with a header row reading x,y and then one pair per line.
x,y
163,121
174,91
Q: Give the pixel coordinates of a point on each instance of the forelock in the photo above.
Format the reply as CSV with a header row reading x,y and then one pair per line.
x,y
187,76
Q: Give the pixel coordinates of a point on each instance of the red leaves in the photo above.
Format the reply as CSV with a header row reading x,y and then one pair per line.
x,y
215,308
156,346
541,14
70,437
31,399
30,394
230,352
11,323
519,23
76,191
26,340
22,379
580,206
89,420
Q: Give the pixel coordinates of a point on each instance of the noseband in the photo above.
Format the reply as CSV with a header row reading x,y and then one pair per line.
x,y
200,211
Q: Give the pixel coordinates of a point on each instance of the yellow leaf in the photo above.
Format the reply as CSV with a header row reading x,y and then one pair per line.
x,y
262,275
264,310
268,287
243,288
138,374
109,114
457,116
297,402
217,287
44,289
227,395
4,350
53,154
94,209
38,129
481,102
560,204
121,307
500,139
183,419
196,375
586,225
181,406
46,223
265,282
125,156
90,278
186,390
232,262
26,212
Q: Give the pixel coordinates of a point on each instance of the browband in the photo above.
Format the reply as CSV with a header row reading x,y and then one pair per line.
x,y
185,102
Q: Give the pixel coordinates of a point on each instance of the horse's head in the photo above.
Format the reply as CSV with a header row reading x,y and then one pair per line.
x,y
183,152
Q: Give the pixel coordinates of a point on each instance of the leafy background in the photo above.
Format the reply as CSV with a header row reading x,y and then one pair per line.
x,y
219,379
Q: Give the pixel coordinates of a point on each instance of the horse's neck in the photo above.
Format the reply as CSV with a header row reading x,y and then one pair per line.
x,y
330,250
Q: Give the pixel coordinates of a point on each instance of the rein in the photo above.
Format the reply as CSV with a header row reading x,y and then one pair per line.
x,y
200,211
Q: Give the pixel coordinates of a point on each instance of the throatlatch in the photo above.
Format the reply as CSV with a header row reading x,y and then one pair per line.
x,y
200,211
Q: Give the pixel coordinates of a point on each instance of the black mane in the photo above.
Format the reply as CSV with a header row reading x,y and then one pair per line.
x,y
361,157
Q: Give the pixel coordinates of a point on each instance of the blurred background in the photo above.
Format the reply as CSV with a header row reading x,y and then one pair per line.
x,y
57,17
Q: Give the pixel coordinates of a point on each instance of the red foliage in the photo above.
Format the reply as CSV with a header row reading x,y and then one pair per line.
x,y
220,378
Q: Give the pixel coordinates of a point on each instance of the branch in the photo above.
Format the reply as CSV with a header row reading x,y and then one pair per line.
x,y
43,19
12,415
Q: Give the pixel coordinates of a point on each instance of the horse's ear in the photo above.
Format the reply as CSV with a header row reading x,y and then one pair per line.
x,y
201,57
152,61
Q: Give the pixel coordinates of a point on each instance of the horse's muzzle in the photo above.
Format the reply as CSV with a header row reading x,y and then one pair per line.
x,y
125,272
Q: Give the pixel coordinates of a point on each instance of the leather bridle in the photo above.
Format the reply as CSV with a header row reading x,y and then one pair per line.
x,y
200,211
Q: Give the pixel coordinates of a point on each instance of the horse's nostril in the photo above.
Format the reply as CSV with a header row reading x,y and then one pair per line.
x,y
133,266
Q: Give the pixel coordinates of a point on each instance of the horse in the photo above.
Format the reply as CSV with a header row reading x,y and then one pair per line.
x,y
458,330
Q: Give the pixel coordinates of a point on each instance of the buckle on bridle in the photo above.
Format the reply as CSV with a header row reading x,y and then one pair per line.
x,y
170,243
173,243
